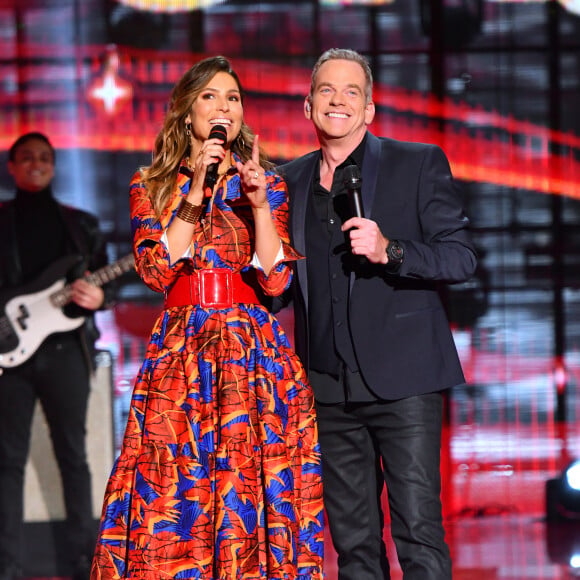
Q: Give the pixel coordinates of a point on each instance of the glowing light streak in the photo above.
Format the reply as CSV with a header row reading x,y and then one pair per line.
x,y
110,90
474,138
170,5
570,5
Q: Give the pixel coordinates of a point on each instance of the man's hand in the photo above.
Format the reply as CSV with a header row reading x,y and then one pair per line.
x,y
87,295
366,239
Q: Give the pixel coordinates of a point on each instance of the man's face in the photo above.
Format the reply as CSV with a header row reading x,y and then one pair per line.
x,y
339,109
33,165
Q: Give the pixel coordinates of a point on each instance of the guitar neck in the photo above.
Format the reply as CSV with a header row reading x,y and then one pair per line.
x,y
97,278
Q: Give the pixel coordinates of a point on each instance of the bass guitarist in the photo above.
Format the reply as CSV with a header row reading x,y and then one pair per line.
x,y
35,232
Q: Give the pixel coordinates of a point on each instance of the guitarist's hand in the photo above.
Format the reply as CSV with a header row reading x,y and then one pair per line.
x,y
87,295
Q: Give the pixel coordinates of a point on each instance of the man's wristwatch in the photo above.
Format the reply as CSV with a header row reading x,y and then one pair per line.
x,y
395,253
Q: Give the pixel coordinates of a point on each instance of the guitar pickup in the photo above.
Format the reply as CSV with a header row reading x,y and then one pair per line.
x,y
23,316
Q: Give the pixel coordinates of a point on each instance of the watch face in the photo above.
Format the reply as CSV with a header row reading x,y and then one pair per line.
x,y
395,251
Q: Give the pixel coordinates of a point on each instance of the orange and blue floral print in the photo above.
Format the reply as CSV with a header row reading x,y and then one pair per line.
x,y
219,473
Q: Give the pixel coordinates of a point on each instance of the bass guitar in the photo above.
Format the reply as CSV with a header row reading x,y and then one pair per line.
x,y
36,312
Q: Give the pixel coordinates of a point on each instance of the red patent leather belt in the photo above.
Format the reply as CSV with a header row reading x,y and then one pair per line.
x,y
211,288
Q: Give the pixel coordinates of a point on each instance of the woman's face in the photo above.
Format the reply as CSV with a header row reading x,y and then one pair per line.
x,y
219,103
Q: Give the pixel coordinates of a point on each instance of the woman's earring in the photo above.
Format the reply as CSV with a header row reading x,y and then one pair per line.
x,y
241,142
188,129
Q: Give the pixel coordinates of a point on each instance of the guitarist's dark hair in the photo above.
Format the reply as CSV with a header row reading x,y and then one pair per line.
x,y
29,137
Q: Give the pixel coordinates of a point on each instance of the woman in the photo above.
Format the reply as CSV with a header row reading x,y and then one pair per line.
x,y
219,473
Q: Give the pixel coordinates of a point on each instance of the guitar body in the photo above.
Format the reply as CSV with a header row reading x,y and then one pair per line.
x,y
34,312
31,316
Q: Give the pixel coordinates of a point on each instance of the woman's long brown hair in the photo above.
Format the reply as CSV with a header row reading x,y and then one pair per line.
x,y
172,143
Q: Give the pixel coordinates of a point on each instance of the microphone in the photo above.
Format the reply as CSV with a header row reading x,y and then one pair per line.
x,y
217,132
352,181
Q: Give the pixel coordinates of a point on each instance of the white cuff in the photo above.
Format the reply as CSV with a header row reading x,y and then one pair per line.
x,y
186,254
279,257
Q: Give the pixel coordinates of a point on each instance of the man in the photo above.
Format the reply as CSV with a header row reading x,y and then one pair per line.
x,y
369,324
35,232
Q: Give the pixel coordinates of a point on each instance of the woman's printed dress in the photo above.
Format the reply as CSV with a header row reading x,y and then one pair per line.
x,y
219,474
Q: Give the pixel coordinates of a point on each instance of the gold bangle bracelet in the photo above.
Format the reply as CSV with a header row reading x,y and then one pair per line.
x,y
188,212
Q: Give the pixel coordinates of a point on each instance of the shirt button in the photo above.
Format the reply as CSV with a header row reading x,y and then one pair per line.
x,y
331,221
339,323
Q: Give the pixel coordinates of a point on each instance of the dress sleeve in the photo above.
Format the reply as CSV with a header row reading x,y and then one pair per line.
x,y
152,260
280,276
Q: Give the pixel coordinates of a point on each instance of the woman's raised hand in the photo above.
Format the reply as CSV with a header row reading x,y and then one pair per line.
x,y
253,178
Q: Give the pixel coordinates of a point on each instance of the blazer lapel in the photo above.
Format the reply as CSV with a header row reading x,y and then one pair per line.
x,y
299,201
370,172
298,209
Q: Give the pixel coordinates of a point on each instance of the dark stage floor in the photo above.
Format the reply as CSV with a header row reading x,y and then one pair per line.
x,y
494,498
488,547
501,445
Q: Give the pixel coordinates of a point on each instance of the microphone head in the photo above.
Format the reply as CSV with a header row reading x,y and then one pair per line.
x,y
218,132
351,177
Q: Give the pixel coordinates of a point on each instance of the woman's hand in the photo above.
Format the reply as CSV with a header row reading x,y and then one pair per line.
x,y
212,151
253,179
253,182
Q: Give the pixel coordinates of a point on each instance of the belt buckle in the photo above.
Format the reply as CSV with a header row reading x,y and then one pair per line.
x,y
216,288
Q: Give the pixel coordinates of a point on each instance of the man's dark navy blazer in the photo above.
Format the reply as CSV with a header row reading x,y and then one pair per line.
x,y
399,327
